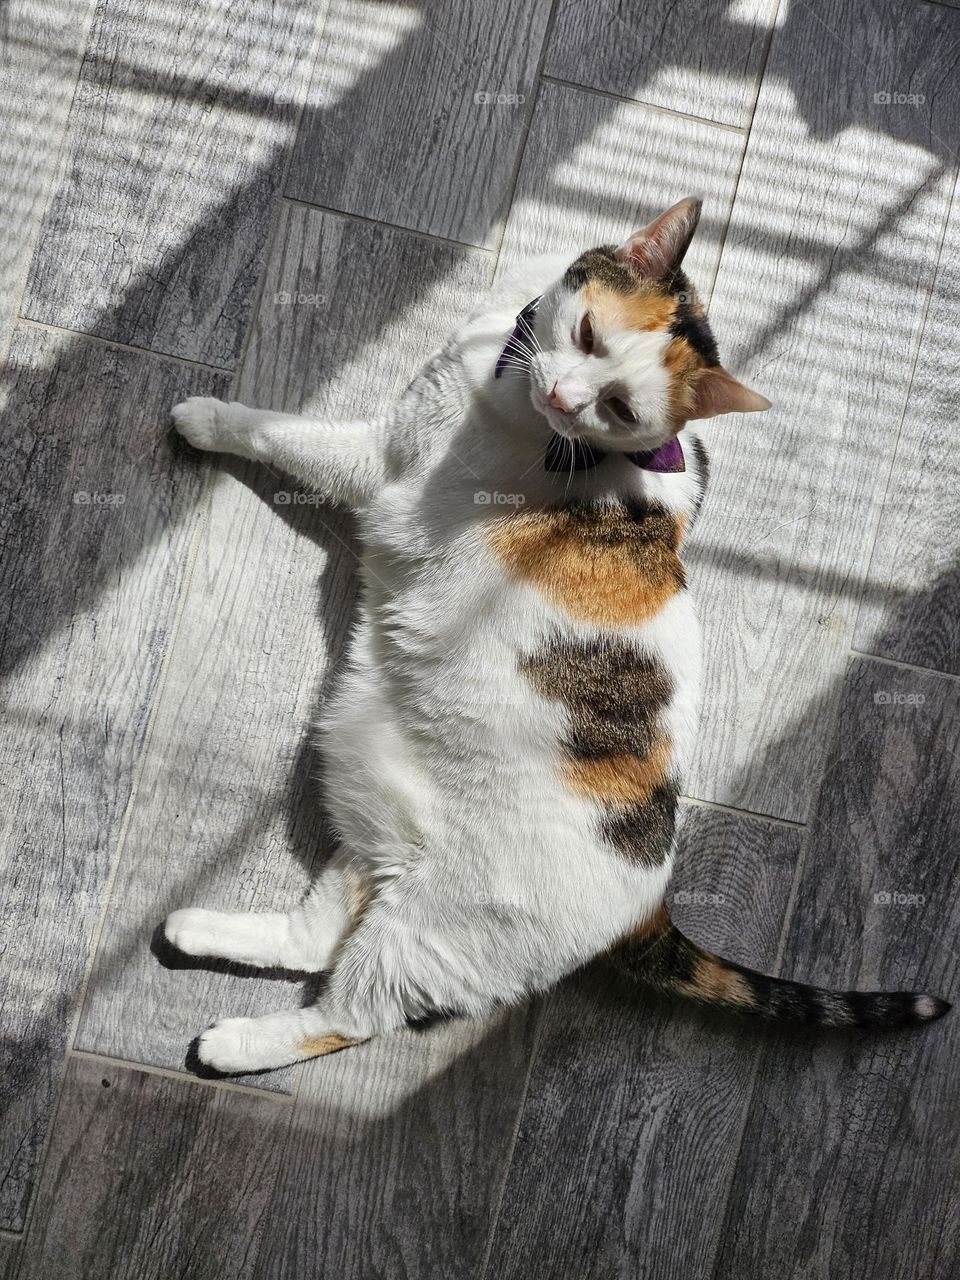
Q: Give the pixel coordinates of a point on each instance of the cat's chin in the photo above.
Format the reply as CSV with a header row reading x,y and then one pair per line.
x,y
603,441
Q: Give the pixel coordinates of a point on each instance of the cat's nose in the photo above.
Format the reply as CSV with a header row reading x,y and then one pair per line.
x,y
557,400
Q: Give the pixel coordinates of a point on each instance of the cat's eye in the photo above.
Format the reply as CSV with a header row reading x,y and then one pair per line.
x,y
621,408
586,334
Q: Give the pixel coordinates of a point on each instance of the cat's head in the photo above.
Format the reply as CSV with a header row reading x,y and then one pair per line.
x,y
626,354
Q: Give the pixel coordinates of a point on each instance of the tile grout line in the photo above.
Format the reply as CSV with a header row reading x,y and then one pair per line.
x,y
180,1077
539,1009
30,323
392,226
906,666
538,79
56,174
758,86
742,129
309,67
720,807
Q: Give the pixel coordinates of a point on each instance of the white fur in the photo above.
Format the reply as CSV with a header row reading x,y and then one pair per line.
x,y
487,877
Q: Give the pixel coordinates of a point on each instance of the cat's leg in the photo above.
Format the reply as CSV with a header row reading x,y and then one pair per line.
x,y
343,461
336,1021
368,993
304,939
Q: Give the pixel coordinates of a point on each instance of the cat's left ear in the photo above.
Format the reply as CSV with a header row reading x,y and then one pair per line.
x,y
719,392
658,249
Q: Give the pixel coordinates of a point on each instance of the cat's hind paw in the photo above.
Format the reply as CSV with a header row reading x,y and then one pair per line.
x,y
233,1046
254,1044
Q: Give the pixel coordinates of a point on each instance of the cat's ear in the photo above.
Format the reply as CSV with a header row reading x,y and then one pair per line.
x,y
658,249
719,392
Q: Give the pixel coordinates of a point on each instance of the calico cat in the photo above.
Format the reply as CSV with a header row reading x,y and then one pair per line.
x,y
505,751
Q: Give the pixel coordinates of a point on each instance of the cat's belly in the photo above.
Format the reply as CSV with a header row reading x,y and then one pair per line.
x,y
447,773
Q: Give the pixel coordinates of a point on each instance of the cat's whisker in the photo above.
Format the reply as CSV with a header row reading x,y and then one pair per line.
x,y
529,332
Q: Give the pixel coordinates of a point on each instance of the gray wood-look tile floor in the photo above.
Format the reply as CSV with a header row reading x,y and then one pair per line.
x,y
289,204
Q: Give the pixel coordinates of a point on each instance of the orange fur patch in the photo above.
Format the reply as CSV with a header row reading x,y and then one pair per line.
x,y
599,567
645,309
623,779
359,894
683,367
714,980
317,1046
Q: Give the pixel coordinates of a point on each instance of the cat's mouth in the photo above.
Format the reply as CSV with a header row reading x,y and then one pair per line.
x,y
564,424
568,427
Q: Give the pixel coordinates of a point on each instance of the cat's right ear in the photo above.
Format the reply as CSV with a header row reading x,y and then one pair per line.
x,y
658,249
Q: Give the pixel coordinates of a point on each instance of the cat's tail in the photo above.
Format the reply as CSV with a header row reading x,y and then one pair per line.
x,y
658,956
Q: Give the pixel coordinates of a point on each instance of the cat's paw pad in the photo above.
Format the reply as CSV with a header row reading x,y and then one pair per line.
x,y
192,931
200,421
231,1046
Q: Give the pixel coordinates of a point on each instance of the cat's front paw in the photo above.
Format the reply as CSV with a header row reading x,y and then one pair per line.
x,y
193,931
200,421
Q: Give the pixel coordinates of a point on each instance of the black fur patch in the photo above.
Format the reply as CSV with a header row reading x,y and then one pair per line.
x,y
643,833
603,266
614,693
690,323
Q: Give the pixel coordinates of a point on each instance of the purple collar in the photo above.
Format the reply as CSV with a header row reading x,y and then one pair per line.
x,y
579,455
668,457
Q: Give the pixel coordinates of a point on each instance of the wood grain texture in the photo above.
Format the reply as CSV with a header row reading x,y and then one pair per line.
x,y
176,145
228,809
96,518
594,170
700,59
148,1178
9,1257
41,43
634,1107
819,302
397,1153
912,610
849,1165
417,113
